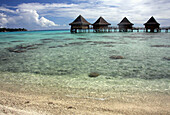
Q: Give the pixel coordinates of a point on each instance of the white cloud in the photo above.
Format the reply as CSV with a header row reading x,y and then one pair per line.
x,y
33,15
40,6
138,11
6,10
46,23
3,20
26,18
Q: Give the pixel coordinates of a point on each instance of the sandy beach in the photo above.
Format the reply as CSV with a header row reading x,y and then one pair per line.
x,y
17,103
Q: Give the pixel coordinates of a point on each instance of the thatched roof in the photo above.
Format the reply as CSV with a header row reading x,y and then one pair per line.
x,y
101,21
80,21
152,21
125,21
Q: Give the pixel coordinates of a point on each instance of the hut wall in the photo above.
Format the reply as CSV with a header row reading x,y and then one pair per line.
x,y
152,28
100,26
124,28
80,27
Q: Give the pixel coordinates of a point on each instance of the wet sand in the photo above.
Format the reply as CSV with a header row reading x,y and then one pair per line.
x,y
14,102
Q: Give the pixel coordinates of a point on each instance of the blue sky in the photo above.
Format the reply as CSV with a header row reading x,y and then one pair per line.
x,y
57,14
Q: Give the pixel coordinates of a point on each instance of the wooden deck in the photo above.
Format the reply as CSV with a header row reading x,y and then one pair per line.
x,y
116,29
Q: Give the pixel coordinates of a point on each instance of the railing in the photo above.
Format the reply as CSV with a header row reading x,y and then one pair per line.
x,y
116,29
142,28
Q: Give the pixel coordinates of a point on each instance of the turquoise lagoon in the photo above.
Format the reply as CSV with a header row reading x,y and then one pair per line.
x,y
60,59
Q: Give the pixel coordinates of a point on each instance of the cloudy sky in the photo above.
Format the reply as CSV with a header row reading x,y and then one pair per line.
x,y
57,14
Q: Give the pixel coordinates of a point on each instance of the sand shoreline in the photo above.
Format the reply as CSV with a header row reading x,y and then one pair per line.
x,y
21,93
34,95
35,104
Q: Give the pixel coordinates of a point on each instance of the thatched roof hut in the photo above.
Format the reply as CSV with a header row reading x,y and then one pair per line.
x,y
101,22
100,25
125,25
152,25
79,23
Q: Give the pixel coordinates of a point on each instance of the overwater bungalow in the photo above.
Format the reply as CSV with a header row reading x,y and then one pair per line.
x,y
152,25
125,25
79,24
101,25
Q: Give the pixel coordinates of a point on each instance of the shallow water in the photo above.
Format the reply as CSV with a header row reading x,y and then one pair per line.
x,y
59,53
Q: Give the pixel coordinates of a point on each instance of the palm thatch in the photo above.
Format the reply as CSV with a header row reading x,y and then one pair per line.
x,y
80,21
152,21
125,21
101,22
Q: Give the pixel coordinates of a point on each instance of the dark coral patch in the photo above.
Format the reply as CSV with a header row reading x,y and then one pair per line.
x,y
116,57
160,45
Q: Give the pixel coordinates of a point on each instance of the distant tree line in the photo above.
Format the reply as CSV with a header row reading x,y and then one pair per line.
x,y
12,29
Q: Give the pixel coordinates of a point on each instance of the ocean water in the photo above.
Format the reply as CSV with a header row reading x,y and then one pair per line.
x,y
59,58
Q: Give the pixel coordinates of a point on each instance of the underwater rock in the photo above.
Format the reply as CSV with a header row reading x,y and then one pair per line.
x,y
94,74
27,102
22,48
116,57
65,45
4,59
39,44
9,48
82,38
68,39
37,72
60,56
3,43
160,45
166,58
26,47
122,43
132,36
18,41
52,47
50,103
70,107
32,48
17,51
106,36
61,45
48,40
108,46
76,43
59,41
93,44
63,72
87,41
101,42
